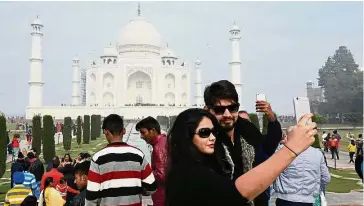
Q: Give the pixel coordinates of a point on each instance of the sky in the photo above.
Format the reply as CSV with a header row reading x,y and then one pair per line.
x,y
283,44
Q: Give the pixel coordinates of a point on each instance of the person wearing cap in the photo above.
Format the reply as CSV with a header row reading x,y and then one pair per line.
x,y
17,166
18,193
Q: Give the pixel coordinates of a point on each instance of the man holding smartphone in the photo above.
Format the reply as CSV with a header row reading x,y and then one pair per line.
x,y
240,140
270,142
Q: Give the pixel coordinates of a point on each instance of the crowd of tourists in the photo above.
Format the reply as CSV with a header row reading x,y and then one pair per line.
x,y
211,156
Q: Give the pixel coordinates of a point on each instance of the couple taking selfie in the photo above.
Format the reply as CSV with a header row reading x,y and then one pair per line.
x,y
212,152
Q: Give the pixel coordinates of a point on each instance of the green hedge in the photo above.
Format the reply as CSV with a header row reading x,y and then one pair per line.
x,y
86,129
98,125
171,120
37,134
79,130
316,143
67,133
254,119
93,127
48,139
3,136
265,124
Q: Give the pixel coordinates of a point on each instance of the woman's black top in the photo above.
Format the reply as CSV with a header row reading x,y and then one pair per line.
x,y
197,185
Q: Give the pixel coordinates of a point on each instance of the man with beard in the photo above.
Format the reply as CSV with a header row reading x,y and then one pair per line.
x,y
239,140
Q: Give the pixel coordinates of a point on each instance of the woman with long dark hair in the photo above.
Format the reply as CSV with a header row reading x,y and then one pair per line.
x,y
193,171
50,196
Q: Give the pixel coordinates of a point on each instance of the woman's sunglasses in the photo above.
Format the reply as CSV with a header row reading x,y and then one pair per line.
x,y
206,132
221,109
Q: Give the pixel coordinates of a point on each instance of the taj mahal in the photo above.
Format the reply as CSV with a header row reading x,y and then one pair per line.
x,y
135,78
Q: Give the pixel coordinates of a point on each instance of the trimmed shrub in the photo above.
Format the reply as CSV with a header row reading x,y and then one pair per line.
x,y
79,130
49,150
67,133
265,124
98,128
93,127
3,137
86,129
254,119
316,143
37,134
171,121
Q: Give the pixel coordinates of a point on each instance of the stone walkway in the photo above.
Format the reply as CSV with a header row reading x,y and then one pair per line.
x,y
342,163
336,199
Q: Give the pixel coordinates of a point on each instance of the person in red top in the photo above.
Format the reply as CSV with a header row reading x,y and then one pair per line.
x,y
63,188
54,173
150,131
15,144
334,146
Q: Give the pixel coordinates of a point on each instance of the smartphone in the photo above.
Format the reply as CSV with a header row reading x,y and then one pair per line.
x,y
301,107
261,97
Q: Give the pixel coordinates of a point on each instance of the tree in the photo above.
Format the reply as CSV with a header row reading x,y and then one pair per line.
x,y
98,125
316,143
265,124
67,133
254,119
354,118
48,139
93,127
86,129
320,119
171,120
3,136
342,82
37,134
79,130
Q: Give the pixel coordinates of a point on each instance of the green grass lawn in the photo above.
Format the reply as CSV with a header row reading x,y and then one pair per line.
x,y
91,148
345,173
343,185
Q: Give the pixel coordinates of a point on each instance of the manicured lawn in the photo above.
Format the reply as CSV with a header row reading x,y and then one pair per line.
x,y
345,173
342,185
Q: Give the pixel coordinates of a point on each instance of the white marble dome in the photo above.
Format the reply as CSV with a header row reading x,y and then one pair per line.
x,y
139,31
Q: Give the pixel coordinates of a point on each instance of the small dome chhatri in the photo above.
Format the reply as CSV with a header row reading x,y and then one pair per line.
x,y
110,51
168,52
37,21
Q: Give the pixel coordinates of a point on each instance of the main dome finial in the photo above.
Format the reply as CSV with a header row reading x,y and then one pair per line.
x,y
139,11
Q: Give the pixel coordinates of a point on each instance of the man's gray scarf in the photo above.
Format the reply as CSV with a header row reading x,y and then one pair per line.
x,y
247,154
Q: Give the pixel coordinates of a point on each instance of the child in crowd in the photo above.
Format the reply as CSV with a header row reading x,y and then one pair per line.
x,y
63,188
352,150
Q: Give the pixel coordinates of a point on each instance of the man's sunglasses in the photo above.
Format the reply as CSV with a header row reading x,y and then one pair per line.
x,y
221,109
206,132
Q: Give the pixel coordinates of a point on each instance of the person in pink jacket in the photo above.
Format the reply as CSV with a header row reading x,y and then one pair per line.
x,y
150,131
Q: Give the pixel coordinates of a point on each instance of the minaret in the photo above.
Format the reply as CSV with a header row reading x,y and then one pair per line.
x,y
35,82
235,61
198,83
76,82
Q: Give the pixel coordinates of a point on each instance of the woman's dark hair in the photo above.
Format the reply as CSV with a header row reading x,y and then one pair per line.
x,y
64,157
29,201
47,182
181,149
180,146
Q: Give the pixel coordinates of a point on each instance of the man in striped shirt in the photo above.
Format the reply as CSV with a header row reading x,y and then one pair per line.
x,y
18,193
119,174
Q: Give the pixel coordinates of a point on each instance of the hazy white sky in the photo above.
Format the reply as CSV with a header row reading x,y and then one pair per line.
x,y
283,45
